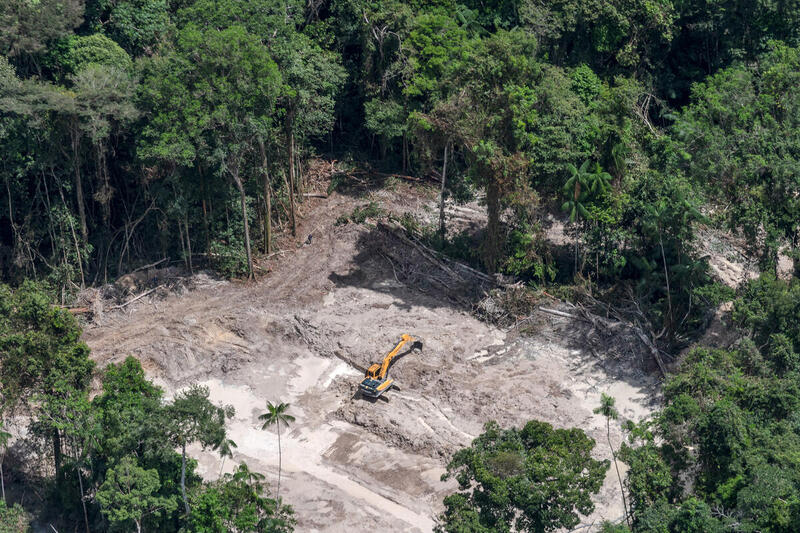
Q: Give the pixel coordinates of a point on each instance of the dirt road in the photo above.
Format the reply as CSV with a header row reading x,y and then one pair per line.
x,y
350,464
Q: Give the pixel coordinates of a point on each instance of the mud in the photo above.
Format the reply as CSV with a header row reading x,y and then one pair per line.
x,y
301,334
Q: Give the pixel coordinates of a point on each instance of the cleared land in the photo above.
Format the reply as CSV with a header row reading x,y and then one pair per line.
x,y
341,302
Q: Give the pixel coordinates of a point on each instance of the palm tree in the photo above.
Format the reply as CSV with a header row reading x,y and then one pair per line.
x,y
225,449
4,436
277,415
608,410
576,190
599,185
599,181
243,473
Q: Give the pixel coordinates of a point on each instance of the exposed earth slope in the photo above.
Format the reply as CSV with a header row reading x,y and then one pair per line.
x,y
301,332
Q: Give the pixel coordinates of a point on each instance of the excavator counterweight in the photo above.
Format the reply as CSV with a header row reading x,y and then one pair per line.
x,y
377,380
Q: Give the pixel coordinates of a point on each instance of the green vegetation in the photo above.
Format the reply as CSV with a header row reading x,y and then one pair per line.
x,y
361,214
114,464
137,130
277,416
533,479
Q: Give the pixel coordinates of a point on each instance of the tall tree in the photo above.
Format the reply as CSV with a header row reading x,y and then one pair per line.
x,y
576,190
42,359
195,419
28,28
277,416
610,413
239,503
312,78
229,90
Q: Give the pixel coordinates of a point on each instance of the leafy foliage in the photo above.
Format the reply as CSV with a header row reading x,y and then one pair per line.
x,y
13,518
137,130
727,435
130,492
239,503
118,446
533,479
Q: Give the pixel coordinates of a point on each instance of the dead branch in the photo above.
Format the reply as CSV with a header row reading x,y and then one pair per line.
x,y
151,265
426,252
145,293
652,347
393,268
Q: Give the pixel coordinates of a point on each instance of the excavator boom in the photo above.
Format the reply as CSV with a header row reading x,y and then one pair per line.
x,y
388,359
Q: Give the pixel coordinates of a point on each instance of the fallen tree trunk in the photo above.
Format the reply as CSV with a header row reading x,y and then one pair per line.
x,y
145,293
76,310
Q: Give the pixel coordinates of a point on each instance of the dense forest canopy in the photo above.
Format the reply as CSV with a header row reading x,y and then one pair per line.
x,y
193,121
137,130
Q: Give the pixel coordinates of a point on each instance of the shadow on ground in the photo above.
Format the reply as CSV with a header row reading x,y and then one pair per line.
x,y
411,275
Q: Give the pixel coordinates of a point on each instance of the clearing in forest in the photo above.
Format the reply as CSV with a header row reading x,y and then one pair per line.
x,y
338,303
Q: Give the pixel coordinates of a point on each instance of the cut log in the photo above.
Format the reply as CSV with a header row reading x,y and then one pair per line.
x,y
560,313
77,310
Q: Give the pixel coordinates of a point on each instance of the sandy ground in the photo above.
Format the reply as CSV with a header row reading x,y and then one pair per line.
x,y
299,333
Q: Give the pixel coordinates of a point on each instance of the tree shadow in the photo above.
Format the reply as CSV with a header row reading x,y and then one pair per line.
x,y
614,352
412,276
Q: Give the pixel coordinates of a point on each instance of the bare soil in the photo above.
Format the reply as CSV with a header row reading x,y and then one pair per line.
x,y
324,310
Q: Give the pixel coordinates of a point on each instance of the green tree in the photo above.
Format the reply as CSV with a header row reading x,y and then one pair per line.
x,y
13,519
104,106
649,479
27,28
42,359
4,436
533,479
226,450
139,26
576,190
129,493
312,77
195,419
661,216
610,413
488,76
96,49
225,96
755,174
240,503
277,416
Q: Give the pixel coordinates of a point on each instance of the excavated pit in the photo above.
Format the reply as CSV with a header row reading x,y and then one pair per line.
x,y
325,311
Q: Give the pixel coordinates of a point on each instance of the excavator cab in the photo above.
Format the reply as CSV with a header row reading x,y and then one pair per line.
x,y
377,381
373,371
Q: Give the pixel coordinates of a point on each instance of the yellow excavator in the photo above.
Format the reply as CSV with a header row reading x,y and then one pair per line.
x,y
377,380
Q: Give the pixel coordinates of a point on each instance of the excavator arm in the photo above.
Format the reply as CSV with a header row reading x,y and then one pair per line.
x,y
379,370
376,380
388,359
